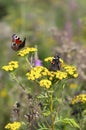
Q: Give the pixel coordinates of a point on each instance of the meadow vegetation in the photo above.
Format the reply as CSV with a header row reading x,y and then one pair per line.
x,y
33,97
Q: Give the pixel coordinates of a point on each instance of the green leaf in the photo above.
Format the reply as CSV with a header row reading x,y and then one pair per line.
x,y
68,121
42,126
46,113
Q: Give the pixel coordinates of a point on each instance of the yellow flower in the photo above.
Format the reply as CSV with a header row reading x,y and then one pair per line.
x,y
81,98
75,75
68,68
40,72
73,85
11,66
3,93
45,83
6,68
61,60
51,75
37,72
14,64
61,75
13,126
71,70
48,59
26,51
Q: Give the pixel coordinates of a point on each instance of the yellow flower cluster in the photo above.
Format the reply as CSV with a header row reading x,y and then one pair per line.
x,y
26,51
11,66
13,126
37,72
81,98
51,75
60,75
48,59
41,73
71,70
45,83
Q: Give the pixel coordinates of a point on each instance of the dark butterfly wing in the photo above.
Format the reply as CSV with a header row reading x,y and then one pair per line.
x,y
55,64
22,44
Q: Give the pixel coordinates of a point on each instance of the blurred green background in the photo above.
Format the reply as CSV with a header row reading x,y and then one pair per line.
x,y
52,25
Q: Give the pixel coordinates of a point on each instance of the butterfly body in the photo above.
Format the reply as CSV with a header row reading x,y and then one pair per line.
x,y
55,64
17,43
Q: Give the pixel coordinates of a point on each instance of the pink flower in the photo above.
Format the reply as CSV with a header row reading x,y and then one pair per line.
x,y
37,62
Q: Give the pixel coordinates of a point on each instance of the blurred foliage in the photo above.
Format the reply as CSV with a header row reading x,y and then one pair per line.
x,y
3,11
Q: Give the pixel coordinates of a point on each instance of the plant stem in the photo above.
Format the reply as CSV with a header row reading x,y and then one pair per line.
x,y
51,110
28,62
14,78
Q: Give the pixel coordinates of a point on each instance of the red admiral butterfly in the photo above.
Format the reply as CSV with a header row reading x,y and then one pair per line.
x,y
17,43
55,64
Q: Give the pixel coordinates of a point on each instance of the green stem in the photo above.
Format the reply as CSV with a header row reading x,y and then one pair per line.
x,y
17,80
47,123
51,110
28,63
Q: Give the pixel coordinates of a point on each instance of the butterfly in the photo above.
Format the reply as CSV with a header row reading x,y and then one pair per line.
x,y
55,63
17,43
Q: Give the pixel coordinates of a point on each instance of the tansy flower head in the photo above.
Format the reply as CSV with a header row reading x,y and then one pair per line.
x,y
14,64
26,51
45,83
78,105
61,60
71,70
11,66
81,98
48,59
37,72
60,75
13,126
